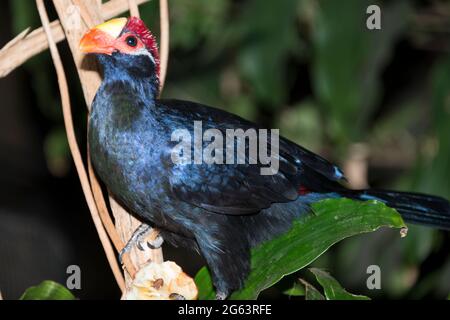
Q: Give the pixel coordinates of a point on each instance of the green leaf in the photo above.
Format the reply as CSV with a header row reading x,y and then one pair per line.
x,y
204,284
297,290
47,290
311,293
332,220
333,290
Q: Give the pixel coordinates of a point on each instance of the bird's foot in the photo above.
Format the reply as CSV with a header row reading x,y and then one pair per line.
x,y
155,243
221,296
139,237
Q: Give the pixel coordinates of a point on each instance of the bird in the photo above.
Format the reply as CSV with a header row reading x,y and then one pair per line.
x,y
221,210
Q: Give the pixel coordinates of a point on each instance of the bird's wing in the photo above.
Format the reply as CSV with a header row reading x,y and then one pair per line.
x,y
236,188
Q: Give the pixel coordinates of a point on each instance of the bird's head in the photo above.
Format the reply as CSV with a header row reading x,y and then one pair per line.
x,y
124,47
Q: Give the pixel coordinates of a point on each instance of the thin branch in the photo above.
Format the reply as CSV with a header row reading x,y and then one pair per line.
x,y
12,56
103,209
65,100
87,67
165,39
17,53
86,12
134,10
18,38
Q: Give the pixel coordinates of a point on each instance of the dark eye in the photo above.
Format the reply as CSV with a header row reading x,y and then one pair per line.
x,y
131,41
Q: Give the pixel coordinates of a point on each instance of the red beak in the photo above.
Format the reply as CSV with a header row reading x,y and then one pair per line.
x,y
97,41
102,38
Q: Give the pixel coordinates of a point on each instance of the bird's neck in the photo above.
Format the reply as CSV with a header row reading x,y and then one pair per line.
x,y
144,87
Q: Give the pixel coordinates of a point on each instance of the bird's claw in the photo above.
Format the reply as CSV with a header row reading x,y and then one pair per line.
x,y
136,240
155,243
139,246
221,296
122,252
176,296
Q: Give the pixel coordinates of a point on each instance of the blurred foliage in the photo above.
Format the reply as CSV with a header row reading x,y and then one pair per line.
x,y
348,60
436,159
312,69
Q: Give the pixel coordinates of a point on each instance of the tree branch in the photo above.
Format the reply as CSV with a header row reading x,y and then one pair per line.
x,y
134,10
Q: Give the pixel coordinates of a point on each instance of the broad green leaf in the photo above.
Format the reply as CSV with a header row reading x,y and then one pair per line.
x,y
332,220
47,290
333,290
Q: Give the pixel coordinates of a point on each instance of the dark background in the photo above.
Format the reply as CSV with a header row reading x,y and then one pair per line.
x,y
310,68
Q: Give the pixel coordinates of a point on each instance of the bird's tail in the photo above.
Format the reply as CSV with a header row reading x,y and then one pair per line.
x,y
414,207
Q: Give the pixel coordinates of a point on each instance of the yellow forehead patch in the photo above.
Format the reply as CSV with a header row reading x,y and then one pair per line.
x,y
113,27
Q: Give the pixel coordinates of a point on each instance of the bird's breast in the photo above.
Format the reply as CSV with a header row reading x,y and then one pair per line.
x,y
127,159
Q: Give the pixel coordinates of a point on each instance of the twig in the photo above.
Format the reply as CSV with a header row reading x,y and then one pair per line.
x,y
85,8
134,10
16,40
65,99
16,53
103,208
87,67
165,34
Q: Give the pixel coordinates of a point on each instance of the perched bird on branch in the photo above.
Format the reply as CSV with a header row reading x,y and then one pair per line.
x,y
220,210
